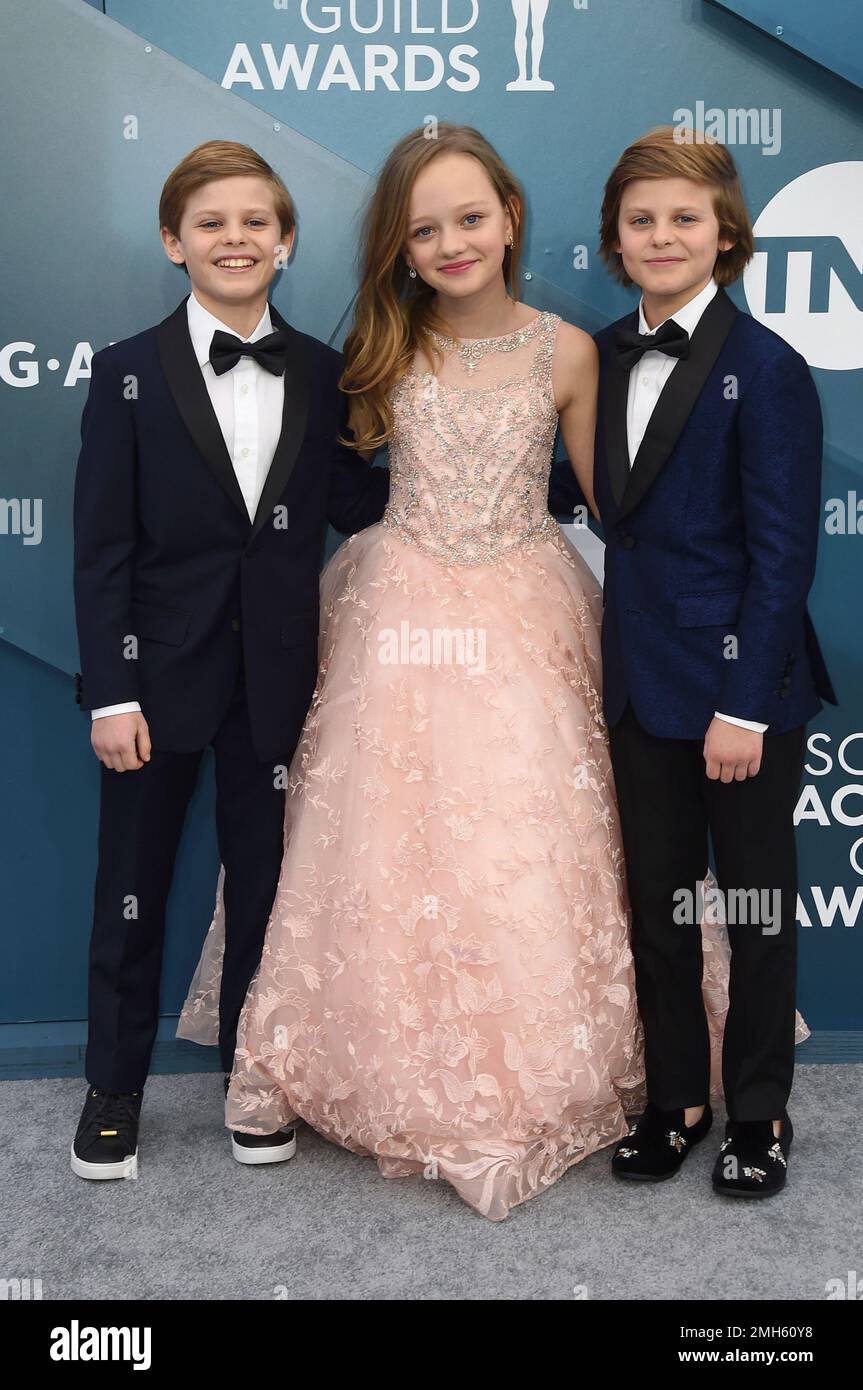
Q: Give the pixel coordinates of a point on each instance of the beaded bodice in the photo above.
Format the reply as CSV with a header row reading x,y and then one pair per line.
x,y
472,446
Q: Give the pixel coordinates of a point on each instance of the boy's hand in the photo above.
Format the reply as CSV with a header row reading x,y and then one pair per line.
x,y
731,753
121,741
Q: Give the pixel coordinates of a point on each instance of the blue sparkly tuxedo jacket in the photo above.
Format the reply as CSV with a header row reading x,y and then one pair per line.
x,y
711,535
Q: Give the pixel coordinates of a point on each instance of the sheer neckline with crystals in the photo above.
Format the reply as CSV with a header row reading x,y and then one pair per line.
x,y
500,337
471,449
473,353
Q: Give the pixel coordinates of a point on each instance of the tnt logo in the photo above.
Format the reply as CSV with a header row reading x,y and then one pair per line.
x,y
805,280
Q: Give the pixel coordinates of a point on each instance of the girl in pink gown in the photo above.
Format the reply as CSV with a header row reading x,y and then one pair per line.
x,y
446,982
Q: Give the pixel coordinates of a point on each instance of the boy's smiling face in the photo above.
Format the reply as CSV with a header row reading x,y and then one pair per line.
x,y
229,239
668,238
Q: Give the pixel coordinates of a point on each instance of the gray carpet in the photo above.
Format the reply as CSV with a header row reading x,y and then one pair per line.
x,y
326,1225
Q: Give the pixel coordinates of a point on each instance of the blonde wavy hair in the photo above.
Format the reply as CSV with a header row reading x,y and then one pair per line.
x,y
394,315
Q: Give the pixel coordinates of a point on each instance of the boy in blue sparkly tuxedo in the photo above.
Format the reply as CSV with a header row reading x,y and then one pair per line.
x,y
708,482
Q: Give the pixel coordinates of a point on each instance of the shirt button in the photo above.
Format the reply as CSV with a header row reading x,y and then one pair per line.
x,y
243,452
243,389
645,381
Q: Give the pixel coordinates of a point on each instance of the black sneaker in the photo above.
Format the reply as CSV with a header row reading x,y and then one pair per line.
x,y
106,1141
656,1147
261,1148
751,1161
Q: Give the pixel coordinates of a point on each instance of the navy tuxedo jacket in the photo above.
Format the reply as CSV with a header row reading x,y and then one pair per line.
x,y
712,533
165,549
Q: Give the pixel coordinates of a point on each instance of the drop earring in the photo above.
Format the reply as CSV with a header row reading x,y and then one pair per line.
x,y
412,273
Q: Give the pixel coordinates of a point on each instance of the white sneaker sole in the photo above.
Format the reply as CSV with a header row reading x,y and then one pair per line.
x,y
126,1168
277,1153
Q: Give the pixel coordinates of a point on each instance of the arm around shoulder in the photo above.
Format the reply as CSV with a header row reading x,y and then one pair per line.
x,y
359,491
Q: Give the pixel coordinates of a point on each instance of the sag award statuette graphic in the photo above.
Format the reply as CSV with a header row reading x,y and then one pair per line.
x,y
535,11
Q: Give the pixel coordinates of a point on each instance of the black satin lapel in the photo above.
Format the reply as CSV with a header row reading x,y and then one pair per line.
x,y
678,397
187,386
615,387
294,416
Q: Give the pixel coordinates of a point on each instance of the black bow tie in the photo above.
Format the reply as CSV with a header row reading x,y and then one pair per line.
x,y
271,351
632,345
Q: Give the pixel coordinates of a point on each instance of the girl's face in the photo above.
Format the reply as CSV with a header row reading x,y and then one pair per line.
x,y
229,239
668,235
457,226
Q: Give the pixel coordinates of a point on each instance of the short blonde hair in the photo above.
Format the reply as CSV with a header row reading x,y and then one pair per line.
x,y
220,159
676,152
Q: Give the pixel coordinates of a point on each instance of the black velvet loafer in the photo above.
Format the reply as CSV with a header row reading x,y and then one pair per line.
x,y
656,1147
751,1161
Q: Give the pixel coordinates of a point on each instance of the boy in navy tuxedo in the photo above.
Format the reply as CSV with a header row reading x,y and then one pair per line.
x,y
708,471
208,471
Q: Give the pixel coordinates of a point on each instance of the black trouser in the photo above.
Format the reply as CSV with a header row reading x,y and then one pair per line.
x,y
668,806
140,821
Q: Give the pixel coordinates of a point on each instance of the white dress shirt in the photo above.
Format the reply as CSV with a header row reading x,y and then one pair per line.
x,y
248,402
646,380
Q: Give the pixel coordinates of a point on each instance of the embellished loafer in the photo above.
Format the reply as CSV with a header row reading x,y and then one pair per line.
x,y
657,1145
751,1161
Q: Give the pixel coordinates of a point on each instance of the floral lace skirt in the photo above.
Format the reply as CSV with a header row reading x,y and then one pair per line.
x,y
446,982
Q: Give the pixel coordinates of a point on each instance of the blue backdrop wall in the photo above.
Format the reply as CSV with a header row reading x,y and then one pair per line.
x,y
106,97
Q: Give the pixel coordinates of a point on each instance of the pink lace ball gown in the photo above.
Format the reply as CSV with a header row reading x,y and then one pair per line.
x,y
446,982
